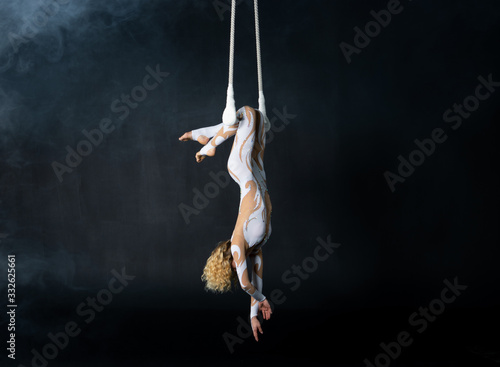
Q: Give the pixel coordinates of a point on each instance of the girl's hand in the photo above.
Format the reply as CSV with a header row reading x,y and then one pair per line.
x,y
256,326
265,308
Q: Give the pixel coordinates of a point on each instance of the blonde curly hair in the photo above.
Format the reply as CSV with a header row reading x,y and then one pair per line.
x,y
218,273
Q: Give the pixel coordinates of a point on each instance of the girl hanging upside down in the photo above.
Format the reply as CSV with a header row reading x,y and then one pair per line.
x,y
253,225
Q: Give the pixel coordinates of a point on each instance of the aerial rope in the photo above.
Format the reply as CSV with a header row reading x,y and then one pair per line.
x,y
229,114
235,256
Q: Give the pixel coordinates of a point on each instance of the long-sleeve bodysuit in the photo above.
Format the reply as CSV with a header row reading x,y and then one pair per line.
x,y
246,167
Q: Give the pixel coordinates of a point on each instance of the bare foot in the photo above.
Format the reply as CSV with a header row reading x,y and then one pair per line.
x,y
202,139
199,157
186,137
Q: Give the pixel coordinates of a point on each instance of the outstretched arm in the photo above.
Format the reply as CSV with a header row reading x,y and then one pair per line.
x,y
256,264
238,252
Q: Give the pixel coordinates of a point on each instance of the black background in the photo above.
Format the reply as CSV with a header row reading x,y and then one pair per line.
x,y
347,125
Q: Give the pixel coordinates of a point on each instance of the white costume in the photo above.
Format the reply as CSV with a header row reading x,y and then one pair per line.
x,y
246,167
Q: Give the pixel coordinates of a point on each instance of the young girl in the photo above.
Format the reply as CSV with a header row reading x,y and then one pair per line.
x,y
253,225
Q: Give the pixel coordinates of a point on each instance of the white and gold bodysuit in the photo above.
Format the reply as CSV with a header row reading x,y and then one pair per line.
x,y
246,167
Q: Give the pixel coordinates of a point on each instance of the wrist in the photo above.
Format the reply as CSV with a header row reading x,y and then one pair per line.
x,y
258,296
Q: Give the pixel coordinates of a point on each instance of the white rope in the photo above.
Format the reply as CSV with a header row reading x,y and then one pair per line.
x,y
257,43
262,100
231,42
229,114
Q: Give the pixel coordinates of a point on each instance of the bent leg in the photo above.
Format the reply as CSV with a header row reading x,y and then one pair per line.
x,y
224,133
202,135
